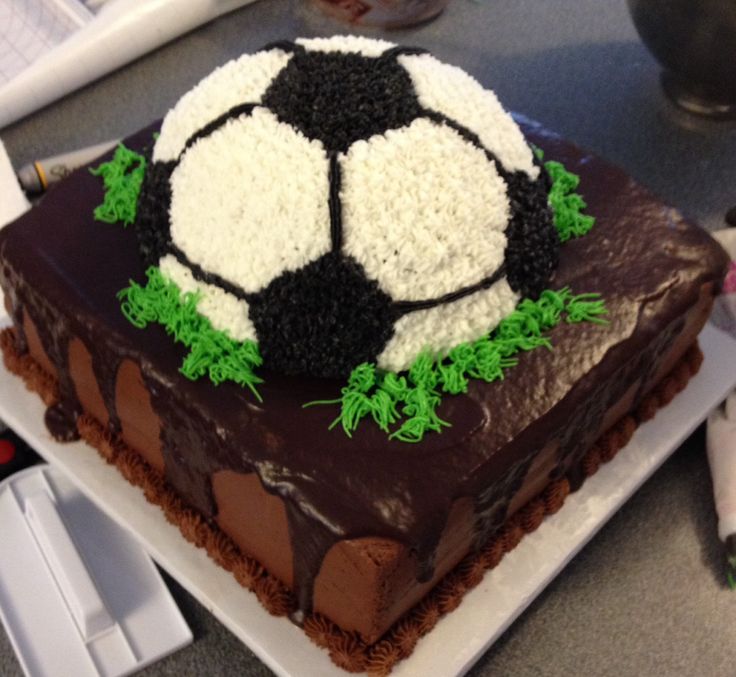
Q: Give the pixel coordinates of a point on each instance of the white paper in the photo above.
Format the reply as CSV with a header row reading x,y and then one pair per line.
x,y
121,31
31,28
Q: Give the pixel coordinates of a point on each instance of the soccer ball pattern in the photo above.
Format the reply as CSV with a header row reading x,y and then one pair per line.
x,y
345,200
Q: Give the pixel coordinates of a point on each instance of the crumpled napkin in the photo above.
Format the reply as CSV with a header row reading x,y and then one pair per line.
x,y
721,436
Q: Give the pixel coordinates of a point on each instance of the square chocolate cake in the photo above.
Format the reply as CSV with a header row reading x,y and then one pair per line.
x,y
363,329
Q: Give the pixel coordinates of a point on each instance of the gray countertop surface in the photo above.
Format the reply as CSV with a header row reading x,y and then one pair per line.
x,y
648,594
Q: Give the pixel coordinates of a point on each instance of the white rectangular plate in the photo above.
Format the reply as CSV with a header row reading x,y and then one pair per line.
x,y
485,612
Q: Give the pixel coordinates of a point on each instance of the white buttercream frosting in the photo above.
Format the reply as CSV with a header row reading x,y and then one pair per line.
x,y
249,201
423,208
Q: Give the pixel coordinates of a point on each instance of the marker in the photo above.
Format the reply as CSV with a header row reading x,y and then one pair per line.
x,y
721,446
721,436
37,176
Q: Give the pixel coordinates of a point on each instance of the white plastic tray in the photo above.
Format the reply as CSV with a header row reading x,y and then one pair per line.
x,y
485,612
78,595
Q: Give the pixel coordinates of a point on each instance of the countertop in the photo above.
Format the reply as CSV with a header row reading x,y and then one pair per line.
x,y
648,594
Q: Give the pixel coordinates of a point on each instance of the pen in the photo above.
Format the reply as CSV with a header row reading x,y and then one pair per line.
x,y
721,436
722,458
37,176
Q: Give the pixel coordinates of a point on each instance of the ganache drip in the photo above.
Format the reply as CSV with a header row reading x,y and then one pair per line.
x,y
476,458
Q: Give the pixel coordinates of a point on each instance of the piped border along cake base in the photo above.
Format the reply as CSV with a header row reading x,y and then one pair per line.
x,y
346,649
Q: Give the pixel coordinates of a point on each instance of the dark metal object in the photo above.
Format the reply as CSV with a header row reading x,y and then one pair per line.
x,y
731,217
695,41
15,454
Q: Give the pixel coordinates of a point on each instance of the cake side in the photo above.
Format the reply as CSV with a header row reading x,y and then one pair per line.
x,y
364,584
406,497
346,649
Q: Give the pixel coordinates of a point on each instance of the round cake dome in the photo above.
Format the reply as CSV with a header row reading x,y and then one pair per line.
x,y
345,200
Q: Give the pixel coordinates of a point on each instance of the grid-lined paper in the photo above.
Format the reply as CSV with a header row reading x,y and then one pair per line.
x,y
30,28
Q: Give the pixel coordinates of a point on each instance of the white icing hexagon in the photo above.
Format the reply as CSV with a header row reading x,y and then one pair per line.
x,y
250,201
226,312
441,328
423,211
346,43
453,92
243,80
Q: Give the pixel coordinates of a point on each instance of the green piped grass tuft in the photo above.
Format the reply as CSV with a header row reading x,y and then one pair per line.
x,y
408,402
211,351
122,177
412,400
567,205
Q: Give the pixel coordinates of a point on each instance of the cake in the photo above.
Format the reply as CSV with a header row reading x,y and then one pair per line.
x,y
363,329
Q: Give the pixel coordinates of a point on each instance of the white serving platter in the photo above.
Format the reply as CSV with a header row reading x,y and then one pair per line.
x,y
466,633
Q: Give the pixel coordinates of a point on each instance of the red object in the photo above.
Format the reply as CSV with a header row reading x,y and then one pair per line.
x,y
383,13
729,285
7,451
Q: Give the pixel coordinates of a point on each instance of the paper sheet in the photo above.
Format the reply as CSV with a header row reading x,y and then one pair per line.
x,y
30,28
122,30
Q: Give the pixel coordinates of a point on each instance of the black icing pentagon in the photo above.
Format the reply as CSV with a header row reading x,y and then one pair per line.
x,y
322,319
152,219
340,98
532,243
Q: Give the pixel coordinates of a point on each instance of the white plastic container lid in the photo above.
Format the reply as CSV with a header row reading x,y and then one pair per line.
x,y
78,595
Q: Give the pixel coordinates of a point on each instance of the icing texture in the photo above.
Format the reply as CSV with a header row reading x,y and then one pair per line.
x,y
388,398
340,98
226,312
122,177
296,315
348,44
346,154
455,94
237,195
211,352
243,80
567,205
404,178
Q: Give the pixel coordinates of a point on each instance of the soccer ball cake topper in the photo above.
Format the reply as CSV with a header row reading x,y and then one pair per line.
x,y
344,200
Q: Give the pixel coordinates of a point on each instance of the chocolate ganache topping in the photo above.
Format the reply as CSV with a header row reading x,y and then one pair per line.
x,y
64,270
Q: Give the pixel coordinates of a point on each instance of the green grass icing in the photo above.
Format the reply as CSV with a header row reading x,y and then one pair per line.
x,y
211,351
403,405
567,205
411,400
122,178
